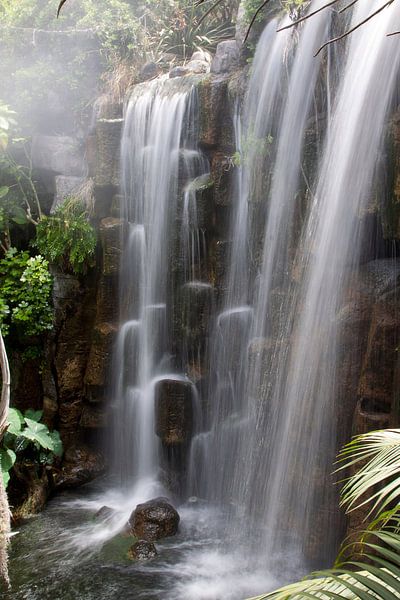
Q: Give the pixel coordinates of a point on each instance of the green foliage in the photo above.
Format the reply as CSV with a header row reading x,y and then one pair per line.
x,y
67,239
28,441
181,28
25,293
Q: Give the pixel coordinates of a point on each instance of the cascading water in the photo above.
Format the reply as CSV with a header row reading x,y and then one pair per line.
x,y
272,439
264,432
158,150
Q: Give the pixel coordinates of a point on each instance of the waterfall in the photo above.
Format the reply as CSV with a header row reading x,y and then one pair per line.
x,y
274,396
158,159
263,422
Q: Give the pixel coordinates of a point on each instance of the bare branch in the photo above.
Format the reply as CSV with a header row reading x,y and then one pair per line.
x,y
259,9
342,10
346,33
308,15
214,5
5,390
393,33
60,7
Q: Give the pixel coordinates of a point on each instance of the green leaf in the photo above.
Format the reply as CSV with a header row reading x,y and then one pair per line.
x,y
39,433
57,443
7,459
34,415
15,421
4,189
19,216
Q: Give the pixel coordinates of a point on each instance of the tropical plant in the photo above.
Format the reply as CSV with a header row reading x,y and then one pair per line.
x,y
375,484
27,441
25,293
66,238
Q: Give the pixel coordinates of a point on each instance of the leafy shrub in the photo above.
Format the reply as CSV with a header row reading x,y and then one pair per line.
x,y
25,293
67,239
28,441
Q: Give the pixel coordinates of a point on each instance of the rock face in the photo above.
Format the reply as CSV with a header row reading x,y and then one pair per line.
x,y
81,464
154,520
142,550
226,57
108,137
173,407
65,186
149,71
60,154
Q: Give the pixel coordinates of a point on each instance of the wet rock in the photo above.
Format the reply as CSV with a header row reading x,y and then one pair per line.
x,y
142,550
101,202
203,189
226,57
65,287
197,300
81,464
100,354
60,154
390,207
111,235
220,255
179,72
50,410
104,513
202,55
215,121
66,186
381,357
198,66
108,138
149,71
93,417
154,520
116,205
173,408
222,169
107,309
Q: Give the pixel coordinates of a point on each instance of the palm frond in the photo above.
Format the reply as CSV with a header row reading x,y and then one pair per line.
x,y
377,481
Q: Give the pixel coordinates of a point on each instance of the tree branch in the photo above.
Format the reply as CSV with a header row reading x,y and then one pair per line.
x,y
346,33
308,15
259,9
5,390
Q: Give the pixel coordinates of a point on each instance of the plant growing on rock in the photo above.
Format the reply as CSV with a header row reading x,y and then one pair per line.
x,y
25,293
66,238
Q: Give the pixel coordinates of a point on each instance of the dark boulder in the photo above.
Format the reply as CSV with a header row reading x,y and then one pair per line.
x,y
142,550
154,520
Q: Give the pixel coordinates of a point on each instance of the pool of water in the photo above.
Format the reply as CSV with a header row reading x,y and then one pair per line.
x,y
66,554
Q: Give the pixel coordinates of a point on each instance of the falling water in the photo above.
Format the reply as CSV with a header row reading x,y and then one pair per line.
x,y
271,440
262,451
157,158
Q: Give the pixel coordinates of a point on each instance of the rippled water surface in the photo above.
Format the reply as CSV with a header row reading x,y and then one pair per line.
x,y
47,561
